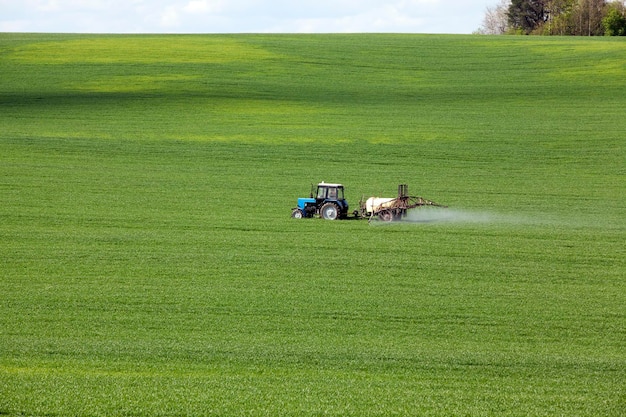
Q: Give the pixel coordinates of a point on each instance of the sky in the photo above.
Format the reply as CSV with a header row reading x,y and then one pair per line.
x,y
243,16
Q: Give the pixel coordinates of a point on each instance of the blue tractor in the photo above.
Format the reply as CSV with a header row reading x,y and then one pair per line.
x,y
328,202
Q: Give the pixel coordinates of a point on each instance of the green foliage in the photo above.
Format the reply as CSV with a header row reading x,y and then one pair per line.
x,y
614,22
149,265
566,17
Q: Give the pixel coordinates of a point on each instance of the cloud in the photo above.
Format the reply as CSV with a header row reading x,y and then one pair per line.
x,y
203,6
170,17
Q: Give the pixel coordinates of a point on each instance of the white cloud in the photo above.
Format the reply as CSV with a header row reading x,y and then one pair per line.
x,y
46,6
203,6
169,17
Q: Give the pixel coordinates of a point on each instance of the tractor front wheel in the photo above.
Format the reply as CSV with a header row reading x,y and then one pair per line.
x,y
329,211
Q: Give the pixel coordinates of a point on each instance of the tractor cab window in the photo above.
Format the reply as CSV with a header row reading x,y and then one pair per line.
x,y
331,193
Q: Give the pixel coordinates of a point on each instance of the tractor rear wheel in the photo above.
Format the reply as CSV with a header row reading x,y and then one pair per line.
x,y
330,211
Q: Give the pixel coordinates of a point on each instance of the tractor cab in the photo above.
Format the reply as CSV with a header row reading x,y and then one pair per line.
x,y
327,201
329,191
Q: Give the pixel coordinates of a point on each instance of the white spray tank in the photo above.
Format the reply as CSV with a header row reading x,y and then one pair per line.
x,y
376,204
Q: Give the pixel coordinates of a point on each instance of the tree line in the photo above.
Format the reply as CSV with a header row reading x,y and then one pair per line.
x,y
556,17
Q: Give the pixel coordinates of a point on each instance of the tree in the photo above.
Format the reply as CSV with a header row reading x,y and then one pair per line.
x,y
614,22
527,16
496,20
559,17
556,17
587,17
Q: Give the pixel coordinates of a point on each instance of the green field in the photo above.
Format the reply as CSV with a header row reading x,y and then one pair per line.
x,y
149,265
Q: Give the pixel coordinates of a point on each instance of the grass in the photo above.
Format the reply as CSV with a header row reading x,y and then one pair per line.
x,y
149,265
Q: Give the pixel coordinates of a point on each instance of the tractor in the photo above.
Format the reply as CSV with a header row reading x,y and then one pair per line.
x,y
327,202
